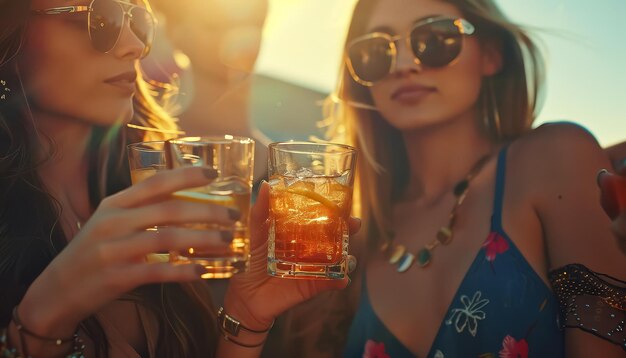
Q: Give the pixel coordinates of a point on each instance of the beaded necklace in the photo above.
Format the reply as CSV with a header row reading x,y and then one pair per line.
x,y
403,259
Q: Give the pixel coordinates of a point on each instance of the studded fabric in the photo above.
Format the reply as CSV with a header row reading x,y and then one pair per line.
x,y
593,302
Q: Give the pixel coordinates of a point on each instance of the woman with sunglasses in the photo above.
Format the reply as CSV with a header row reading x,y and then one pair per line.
x,y
73,276
469,213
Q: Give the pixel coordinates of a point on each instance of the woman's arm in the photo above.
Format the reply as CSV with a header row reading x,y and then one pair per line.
x,y
107,258
561,162
255,299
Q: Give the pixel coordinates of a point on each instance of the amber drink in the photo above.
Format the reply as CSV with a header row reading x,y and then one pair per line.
x,y
232,158
310,202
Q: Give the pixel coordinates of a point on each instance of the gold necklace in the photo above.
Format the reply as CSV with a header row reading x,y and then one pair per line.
x,y
403,259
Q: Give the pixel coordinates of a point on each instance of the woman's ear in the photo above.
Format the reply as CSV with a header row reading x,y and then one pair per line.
x,y
491,58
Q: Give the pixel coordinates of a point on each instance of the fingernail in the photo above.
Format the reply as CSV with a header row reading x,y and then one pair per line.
x,y
600,174
358,220
234,214
227,236
351,264
209,173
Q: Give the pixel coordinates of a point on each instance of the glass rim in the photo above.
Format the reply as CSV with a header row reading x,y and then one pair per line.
x,y
279,146
139,146
212,139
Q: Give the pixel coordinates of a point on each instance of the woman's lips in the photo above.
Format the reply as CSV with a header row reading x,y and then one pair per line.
x,y
125,81
411,94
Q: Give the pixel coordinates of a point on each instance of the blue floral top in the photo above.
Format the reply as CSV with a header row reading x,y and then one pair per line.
x,y
501,309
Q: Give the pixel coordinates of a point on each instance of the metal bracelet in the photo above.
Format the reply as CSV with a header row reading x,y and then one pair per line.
x,y
232,326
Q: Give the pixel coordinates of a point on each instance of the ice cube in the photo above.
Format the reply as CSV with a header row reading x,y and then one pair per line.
x,y
304,173
288,181
322,185
344,178
274,181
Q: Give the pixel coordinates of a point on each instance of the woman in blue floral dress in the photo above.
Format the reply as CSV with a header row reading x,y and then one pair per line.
x,y
469,212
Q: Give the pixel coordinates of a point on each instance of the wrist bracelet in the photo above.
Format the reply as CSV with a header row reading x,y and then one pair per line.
x,y
232,326
76,351
24,330
5,350
230,339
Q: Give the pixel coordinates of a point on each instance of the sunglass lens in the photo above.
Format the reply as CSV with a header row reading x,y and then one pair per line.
x,y
105,24
371,59
436,44
142,24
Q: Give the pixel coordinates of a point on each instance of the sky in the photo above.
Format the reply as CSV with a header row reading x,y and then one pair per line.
x,y
583,40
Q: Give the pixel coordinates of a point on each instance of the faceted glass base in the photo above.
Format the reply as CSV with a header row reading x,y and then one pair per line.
x,y
306,271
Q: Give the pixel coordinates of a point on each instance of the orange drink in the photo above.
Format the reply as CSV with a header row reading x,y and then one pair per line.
x,y
309,210
309,220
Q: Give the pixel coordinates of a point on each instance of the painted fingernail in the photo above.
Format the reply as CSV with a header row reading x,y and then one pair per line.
x,y
209,173
600,174
234,214
226,236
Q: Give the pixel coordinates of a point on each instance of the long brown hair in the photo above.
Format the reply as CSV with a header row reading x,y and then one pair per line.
x,y
29,235
508,104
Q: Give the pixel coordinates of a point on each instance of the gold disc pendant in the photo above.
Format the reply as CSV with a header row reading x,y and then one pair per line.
x,y
397,254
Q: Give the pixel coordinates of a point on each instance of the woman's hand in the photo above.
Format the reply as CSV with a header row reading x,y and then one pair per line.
x,y
107,258
613,200
256,298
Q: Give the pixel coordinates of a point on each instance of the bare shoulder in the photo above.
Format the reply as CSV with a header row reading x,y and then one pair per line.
x,y
555,154
556,139
556,166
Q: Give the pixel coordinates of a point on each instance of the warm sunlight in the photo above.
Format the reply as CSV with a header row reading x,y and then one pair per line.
x,y
586,82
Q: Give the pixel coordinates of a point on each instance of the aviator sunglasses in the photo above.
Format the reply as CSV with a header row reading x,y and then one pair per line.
x,y
106,18
435,42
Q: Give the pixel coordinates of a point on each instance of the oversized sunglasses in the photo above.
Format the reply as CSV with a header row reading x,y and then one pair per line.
x,y
106,18
434,42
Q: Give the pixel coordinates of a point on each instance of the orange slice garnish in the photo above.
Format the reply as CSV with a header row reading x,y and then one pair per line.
x,y
315,197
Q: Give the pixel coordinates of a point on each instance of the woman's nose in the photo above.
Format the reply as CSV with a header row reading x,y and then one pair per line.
x,y
406,60
128,46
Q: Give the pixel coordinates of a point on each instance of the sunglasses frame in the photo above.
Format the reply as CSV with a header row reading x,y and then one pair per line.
x,y
464,26
125,6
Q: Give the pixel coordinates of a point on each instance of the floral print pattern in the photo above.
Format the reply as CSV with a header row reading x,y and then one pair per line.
x,y
375,350
514,349
495,245
469,315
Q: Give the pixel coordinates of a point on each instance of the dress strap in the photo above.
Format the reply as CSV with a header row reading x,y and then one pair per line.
x,y
496,216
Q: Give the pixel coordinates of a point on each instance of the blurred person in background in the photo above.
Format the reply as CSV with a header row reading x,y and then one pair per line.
x,y
217,43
